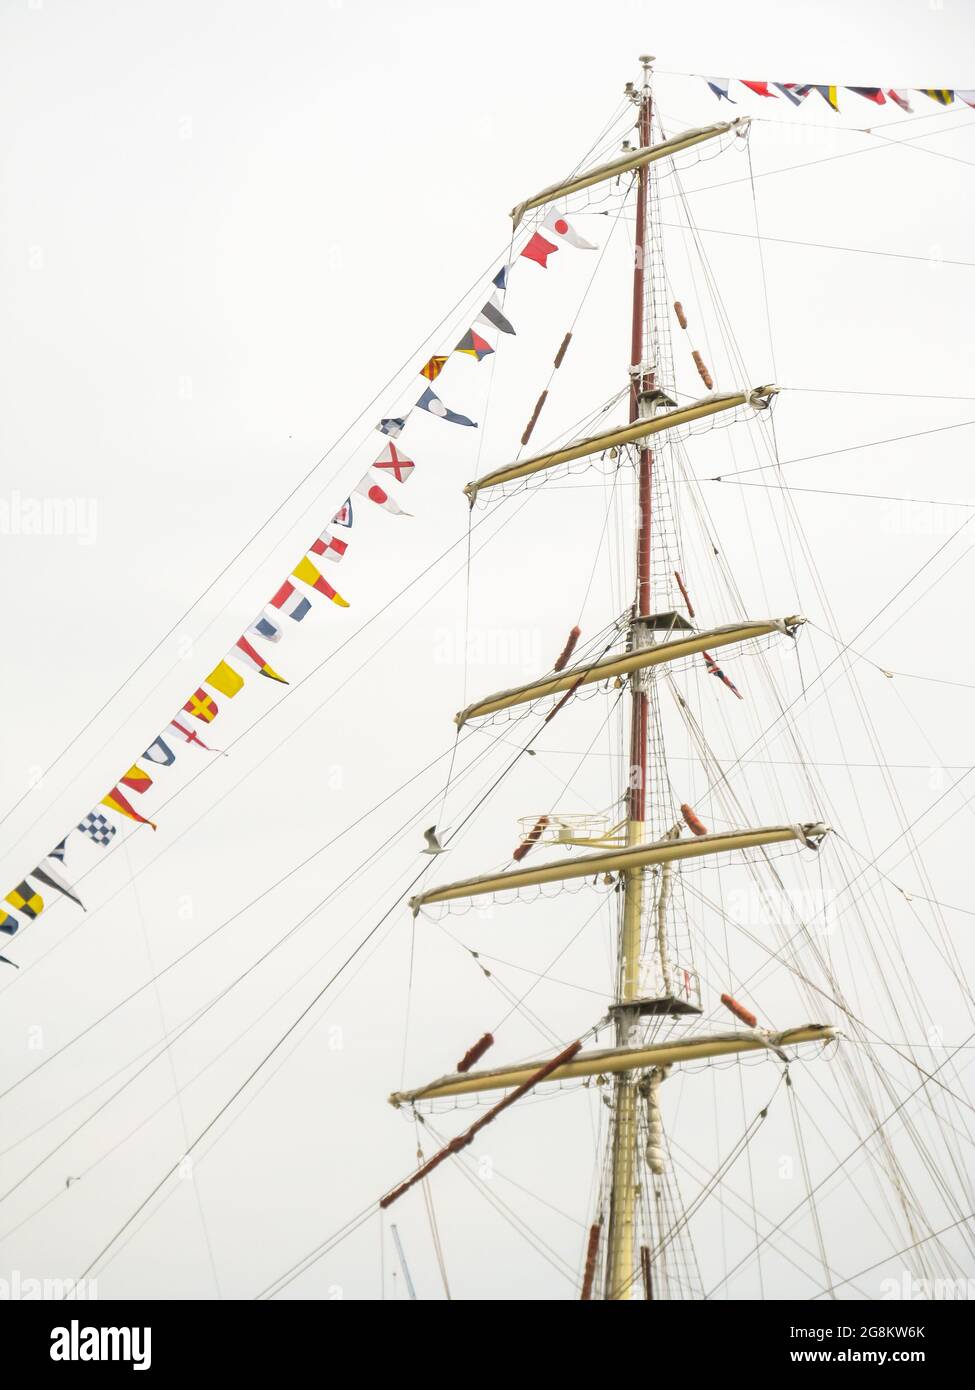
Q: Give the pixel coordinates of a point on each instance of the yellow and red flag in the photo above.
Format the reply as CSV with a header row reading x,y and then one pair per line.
x,y
136,779
243,651
308,574
116,801
202,706
433,368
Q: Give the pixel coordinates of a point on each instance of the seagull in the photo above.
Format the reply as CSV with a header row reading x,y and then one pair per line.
x,y
433,842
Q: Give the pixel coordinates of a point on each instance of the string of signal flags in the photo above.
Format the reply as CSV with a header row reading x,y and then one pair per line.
x,y
303,588
796,93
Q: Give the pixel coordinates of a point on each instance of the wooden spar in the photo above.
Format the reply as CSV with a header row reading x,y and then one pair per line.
x,y
758,397
462,1140
612,1061
634,159
621,860
609,667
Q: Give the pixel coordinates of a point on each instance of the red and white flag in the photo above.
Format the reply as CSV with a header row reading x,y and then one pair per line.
x,y
395,462
555,222
371,489
329,547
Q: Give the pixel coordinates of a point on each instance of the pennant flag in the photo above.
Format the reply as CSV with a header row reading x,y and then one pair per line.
x,y
396,463
371,489
292,603
792,91
900,98
202,706
329,547
8,924
243,651
719,86
116,801
225,679
871,93
308,574
501,279
829,95
944,96
160,752
267,627
188,735
435,406
555,222
538,249
760,88
136,779
99,827
7,961
393,426
53,880
474,345
26,900
343,517
968,97
433,368
58,851
491,313
715,670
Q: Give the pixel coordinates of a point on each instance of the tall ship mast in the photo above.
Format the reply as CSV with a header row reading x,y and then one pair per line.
x,y
638,855
730,1058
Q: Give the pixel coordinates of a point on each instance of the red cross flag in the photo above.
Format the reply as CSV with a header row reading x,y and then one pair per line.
x,y
396,463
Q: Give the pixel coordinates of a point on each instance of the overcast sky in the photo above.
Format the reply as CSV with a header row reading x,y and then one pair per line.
x,y
227,230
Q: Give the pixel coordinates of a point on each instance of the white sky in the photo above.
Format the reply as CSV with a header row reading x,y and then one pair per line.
x,y
225,227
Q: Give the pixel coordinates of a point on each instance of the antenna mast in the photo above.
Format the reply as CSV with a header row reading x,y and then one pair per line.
x,y
624,1161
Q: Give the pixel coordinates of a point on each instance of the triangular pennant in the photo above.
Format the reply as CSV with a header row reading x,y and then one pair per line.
x,y
116,801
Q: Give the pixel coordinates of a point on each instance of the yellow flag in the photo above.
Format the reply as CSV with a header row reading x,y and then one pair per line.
x,y
225,679
308,574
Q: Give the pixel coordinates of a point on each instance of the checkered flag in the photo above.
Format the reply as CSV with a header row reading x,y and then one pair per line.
x,y
98,827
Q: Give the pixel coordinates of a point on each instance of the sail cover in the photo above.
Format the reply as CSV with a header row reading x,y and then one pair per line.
x,y
624,663
621,860
623,434
633,159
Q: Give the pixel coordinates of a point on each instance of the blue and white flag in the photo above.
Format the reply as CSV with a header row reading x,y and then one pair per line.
x,y
719,86
394,426
501,279
267,627
58,851
98,827
429,402
793,91
160,752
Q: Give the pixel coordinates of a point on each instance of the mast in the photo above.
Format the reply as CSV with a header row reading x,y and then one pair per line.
x,y
621,854
624,1163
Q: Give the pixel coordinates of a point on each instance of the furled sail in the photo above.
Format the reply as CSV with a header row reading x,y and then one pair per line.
x,y
623,434
623,664
619,860
633,159
611,1061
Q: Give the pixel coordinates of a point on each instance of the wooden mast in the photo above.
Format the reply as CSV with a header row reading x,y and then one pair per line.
x,y
624,1166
